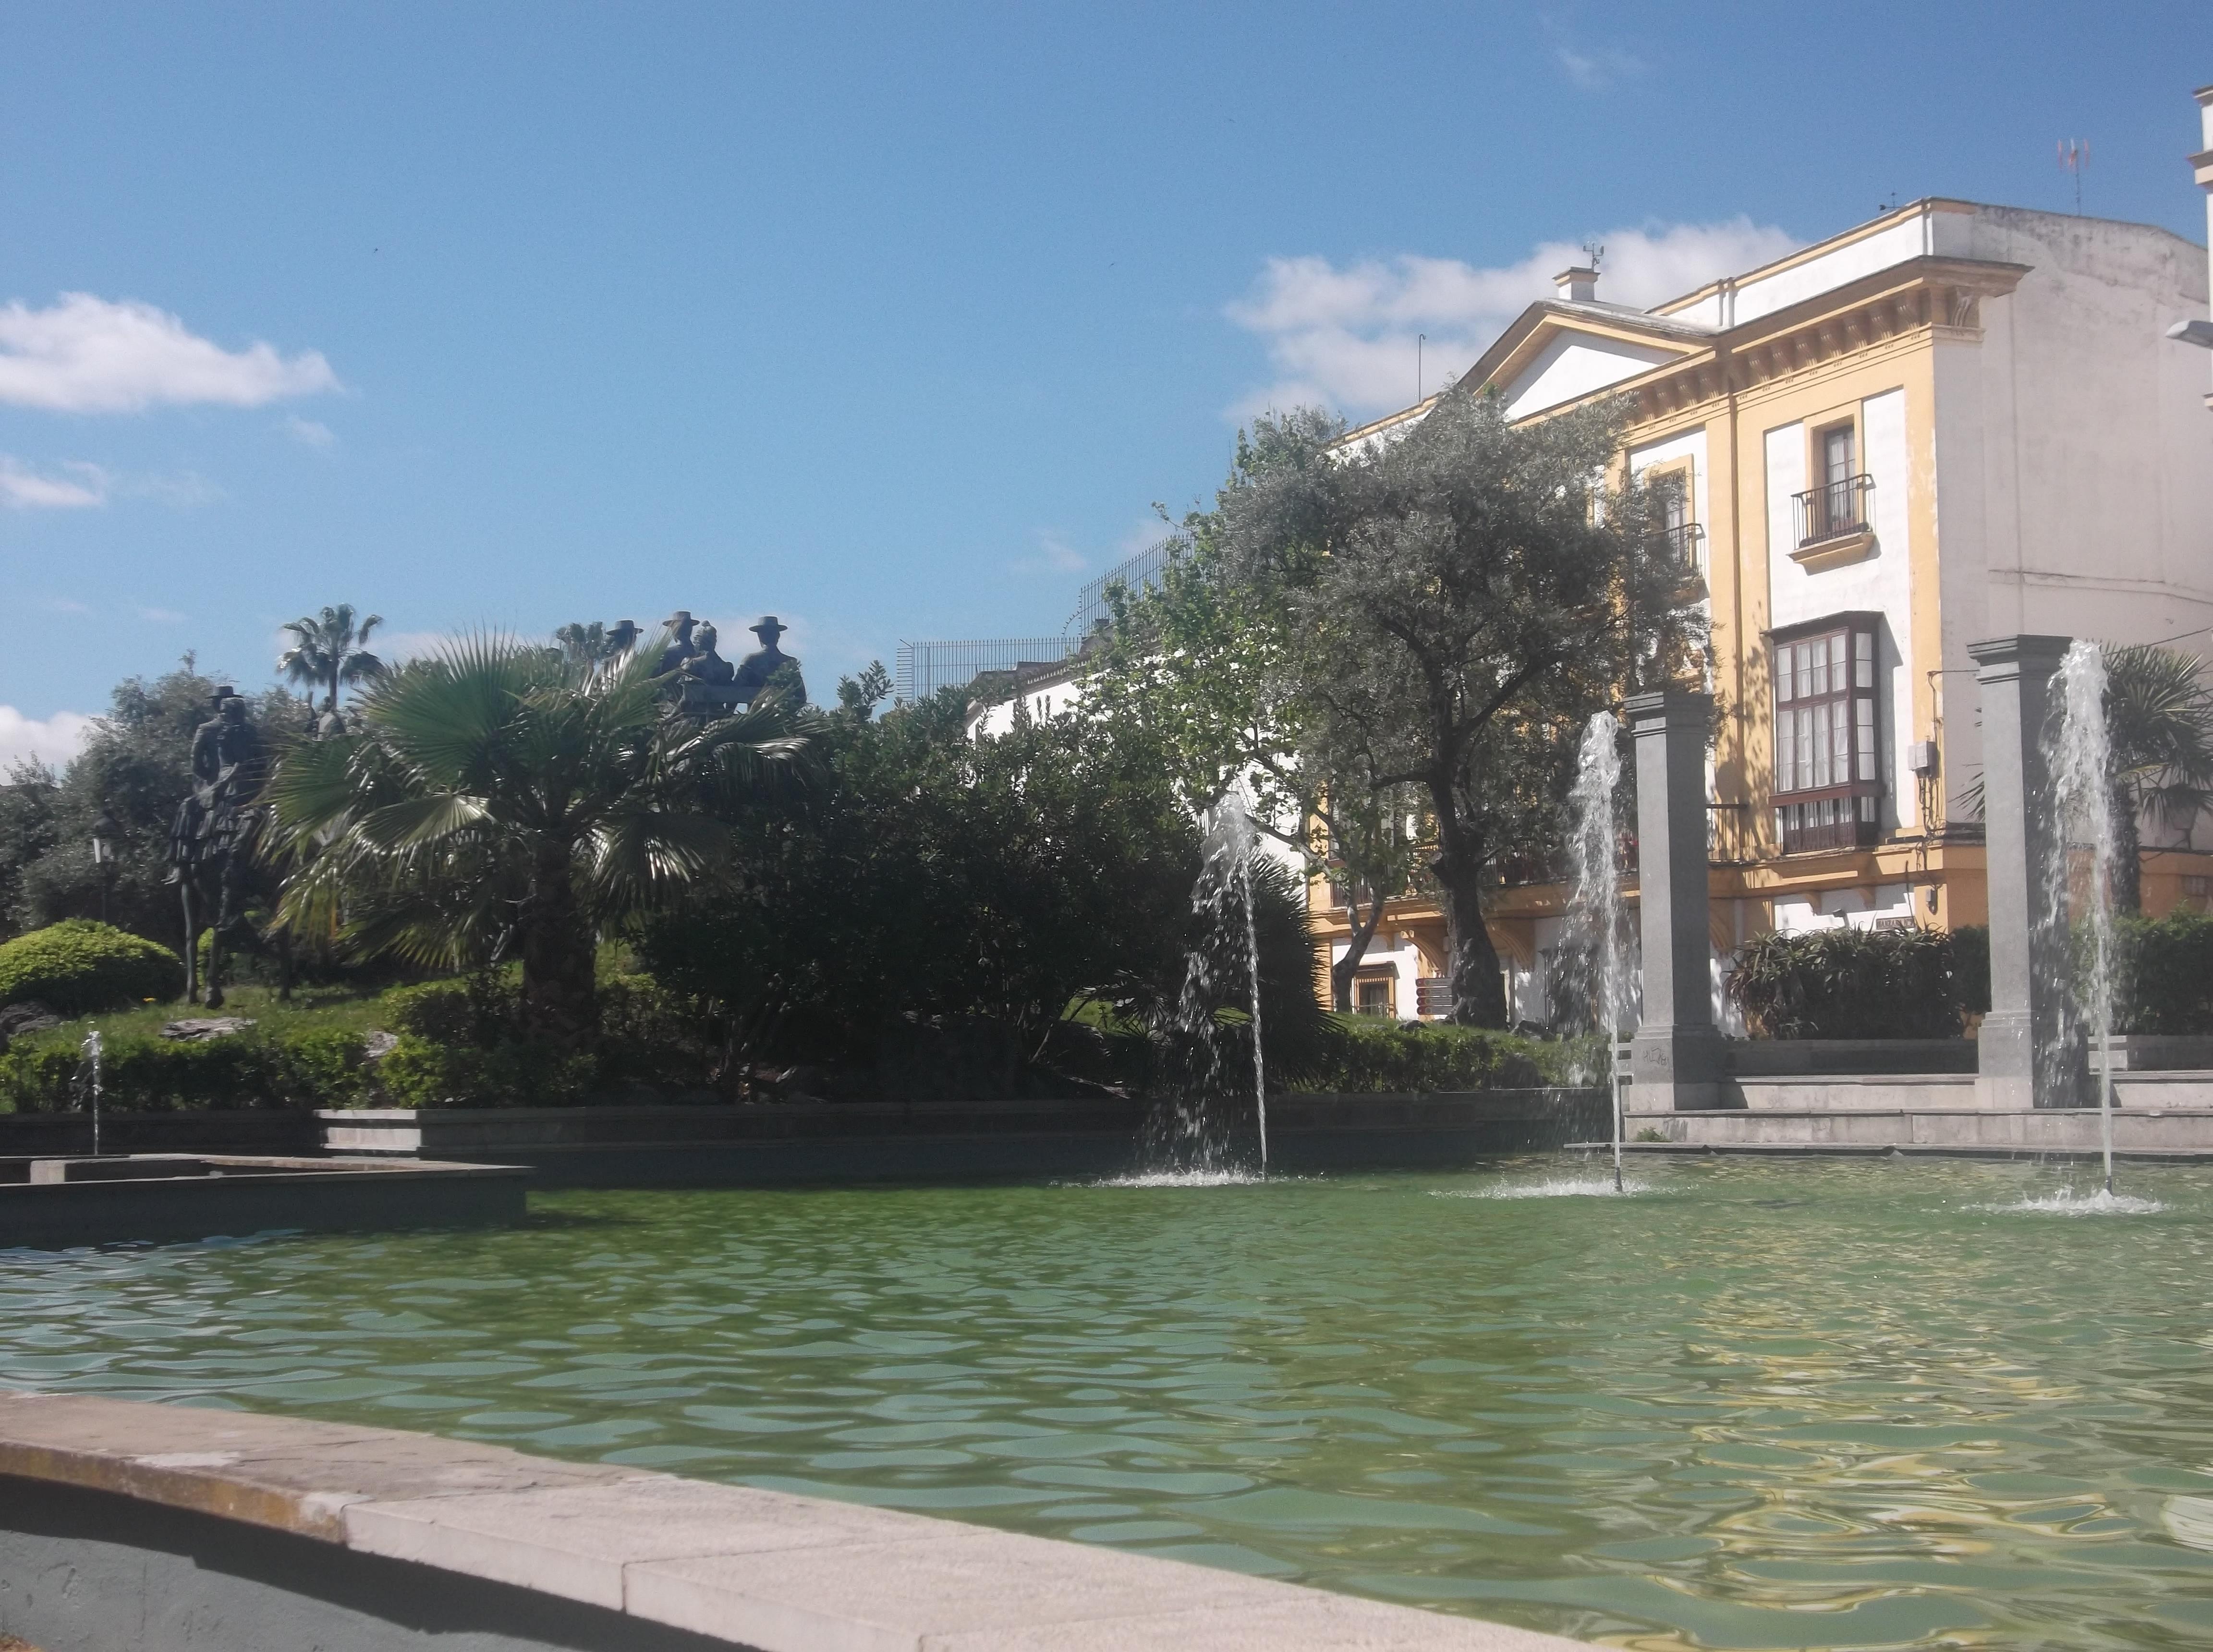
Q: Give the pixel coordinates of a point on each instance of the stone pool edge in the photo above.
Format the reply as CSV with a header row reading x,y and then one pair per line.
x,y
375,1539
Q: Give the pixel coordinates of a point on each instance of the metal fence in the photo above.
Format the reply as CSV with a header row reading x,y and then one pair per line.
x,y
926,667
1140,573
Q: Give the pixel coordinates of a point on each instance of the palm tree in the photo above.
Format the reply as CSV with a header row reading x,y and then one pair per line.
x,y
499,800
330,652
2159,719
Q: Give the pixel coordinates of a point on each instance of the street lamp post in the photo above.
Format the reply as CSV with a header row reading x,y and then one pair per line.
x,y
104,834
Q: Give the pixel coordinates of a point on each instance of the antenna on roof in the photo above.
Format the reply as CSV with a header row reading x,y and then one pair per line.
x,y
1595,252
2075,157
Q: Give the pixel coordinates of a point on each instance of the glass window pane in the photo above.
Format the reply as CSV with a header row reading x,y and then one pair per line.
x,y
1863,652
1820,745
1786,751
1840,741
1804,770
1781,675
1803,663
1865,714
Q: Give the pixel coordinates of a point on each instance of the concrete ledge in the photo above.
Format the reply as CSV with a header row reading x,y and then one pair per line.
x,y
219,1130
2173,1132
54,1203
722,1565
781,1145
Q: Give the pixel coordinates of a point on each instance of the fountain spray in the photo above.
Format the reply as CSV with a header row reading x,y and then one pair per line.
x,y
92,1054
2080,759
1252,968
1597,899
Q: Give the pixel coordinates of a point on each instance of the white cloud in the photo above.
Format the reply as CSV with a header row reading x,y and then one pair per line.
x,y
52,740
163,616
89,355
309,432
1345,337
64,605
1054,555
69,487
1597,70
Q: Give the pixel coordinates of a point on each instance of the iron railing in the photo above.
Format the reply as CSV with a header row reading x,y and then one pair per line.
x,y
926,667
1687,540
1139,574
1833,509
1844,817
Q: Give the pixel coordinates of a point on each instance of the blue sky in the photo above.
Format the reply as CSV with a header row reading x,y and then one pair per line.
x,y
894,324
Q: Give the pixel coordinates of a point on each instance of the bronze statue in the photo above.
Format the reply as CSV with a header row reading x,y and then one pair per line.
x,y
211,845
761,665
678,648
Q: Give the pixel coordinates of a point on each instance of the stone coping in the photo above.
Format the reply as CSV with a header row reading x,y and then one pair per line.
x,y
762,1569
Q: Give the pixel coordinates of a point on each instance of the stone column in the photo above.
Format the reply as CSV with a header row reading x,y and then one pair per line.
x,y
1677,1061
2018,1055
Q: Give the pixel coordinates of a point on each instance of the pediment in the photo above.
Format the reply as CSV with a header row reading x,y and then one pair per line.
x,y
1559,353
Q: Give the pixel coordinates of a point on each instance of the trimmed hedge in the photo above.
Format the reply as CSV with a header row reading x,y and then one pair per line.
x,y
77,968
1380,1057
319,1069
1848,984
2165,976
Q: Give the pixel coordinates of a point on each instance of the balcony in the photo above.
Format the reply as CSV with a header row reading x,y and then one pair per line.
x,y
1842,817
1833,523
1688,541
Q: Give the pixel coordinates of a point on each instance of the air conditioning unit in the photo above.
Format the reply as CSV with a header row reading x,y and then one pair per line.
x,y
1921,758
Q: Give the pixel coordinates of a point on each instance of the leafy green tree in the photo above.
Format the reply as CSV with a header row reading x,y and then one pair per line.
x,y
962,912
2159,719
498,800
1210,667
331,651
1466,595
135,767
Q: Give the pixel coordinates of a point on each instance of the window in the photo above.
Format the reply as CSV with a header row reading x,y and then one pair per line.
x,y
1371,996
1671,491
1836,506
1828,753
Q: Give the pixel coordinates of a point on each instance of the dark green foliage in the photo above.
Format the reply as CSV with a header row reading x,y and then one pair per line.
x,y
2164,981
1370,1057
77,968
317,1069
1848,984
516,1072
136,765
945,905
1971,967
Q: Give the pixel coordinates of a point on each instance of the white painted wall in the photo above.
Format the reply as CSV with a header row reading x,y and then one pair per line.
x,y
2074,458
1574,364
1882,582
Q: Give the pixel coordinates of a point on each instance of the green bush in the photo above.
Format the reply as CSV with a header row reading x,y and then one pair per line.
x,y
77,968
1365,1057
2164,981
478,1010
319,1069
1848,984
1971,967
419,1072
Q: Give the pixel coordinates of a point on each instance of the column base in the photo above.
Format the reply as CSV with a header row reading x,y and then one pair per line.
x,y
1680,1070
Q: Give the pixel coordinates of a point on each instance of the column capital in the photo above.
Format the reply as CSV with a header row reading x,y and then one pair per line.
x,y
1668,708
2000,659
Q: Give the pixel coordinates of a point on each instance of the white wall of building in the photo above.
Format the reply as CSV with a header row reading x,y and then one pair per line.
x,y
1880,582
1574,364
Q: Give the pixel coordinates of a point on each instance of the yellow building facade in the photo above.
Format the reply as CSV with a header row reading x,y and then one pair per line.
x,y
1954,421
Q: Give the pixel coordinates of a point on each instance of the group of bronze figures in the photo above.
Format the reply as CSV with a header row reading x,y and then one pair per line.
x,y
213,842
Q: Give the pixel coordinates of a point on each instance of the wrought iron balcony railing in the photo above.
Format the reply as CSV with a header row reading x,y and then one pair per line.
x,y
1688,542
1833,510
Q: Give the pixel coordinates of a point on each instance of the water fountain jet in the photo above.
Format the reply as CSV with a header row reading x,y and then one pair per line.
x,y
2079,756
1595,906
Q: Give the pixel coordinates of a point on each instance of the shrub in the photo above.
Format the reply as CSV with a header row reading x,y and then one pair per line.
x,y
1382,1057
1848,984
418,1072
2164,981
1971,967
479,1009
316,1069
77,968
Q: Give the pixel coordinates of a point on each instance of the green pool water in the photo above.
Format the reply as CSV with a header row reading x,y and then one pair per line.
x,y
1822,1405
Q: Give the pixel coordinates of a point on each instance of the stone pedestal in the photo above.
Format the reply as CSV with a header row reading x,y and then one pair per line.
x,y
2019,1059
1677,1060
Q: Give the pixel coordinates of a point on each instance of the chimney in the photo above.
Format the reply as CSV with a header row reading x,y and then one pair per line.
x,y
1578,284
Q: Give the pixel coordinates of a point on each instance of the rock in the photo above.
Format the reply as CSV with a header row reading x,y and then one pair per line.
x,y
201,1032
29,1016
378,1044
